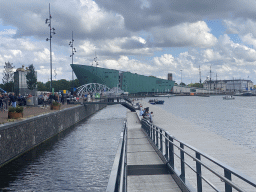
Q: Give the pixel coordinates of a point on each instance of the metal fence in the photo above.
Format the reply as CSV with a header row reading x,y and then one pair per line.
x,y
173,149
117,179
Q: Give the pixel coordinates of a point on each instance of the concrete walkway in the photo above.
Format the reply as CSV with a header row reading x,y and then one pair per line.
x,y
30,111
145,170
226,151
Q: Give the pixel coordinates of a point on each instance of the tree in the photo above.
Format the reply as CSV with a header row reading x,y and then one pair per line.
x,y
8,73
31,77
41,87
199,85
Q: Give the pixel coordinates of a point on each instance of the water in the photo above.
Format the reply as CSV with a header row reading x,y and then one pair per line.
x,y
232,119
79,159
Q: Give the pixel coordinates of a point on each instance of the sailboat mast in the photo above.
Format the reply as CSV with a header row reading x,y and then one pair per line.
x,y
210,77
200,75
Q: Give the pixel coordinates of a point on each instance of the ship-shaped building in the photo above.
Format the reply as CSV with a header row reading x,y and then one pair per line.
x,y
127,81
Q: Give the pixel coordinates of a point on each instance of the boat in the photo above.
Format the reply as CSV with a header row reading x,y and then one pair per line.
x,y
247,93
155,101
228,97
166,95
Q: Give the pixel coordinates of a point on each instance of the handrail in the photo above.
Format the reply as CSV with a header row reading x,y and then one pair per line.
x,y
161,138
117,179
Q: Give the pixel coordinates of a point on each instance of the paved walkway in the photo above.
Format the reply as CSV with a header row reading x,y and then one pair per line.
x,y
145,170
30,111
226,151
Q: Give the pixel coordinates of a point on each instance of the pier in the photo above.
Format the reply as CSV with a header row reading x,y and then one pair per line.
x,y
145,169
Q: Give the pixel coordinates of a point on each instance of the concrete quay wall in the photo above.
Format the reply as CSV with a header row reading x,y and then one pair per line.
x,y
18,137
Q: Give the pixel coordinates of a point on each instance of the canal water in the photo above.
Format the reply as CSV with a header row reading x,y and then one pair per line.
x,y
79,159
232,119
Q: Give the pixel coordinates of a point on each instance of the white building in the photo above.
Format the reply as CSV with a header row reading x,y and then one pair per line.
x,y
238,85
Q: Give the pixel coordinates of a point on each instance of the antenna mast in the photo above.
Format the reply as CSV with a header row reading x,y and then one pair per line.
x,y
52,31
200,75
71,44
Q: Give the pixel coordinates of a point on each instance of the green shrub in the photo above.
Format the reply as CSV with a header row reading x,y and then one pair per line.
x,y
12,109
19,109
54,103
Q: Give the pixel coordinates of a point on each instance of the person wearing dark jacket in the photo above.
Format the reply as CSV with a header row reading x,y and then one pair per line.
x,y
13,99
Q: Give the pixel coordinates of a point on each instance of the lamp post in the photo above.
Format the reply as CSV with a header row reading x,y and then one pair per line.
x,y
180,76
52,31
71,44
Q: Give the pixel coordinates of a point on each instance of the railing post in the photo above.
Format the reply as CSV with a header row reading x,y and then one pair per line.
x,y
166,147
147,128
157,137
227,174
161,140
171,152
150,132
198,173
182,163
154,135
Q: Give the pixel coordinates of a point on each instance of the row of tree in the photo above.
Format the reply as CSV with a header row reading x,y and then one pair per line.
x,y
199,85
62,84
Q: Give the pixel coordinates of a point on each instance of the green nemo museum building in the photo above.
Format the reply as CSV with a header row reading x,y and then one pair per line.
x,y
127,81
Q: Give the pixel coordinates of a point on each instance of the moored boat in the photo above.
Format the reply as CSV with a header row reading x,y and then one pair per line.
x,y
155,101
228,97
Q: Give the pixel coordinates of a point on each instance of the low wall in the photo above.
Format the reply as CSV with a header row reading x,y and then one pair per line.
x,y
18,137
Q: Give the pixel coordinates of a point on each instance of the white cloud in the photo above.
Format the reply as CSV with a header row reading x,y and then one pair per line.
x,y
186,34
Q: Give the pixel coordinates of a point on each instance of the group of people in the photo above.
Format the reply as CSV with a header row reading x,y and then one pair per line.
x,y
8,100
49,98
146,114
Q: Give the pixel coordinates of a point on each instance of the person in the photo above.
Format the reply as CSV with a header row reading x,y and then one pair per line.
x,y
1,102
13,99
62,98
5,102
56,97
150,115
50,98
141,112
45,97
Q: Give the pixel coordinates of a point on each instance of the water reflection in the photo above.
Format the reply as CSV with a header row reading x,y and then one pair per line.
x,y
79,159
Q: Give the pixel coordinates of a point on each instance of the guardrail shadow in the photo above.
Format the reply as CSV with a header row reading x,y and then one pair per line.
x,y
181,158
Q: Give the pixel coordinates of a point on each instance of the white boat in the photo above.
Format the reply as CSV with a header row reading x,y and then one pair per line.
x,y
166,95
228,97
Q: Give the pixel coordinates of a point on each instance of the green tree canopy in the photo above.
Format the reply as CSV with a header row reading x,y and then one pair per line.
x,y
41,87
8,72
31,77
58,85
199,85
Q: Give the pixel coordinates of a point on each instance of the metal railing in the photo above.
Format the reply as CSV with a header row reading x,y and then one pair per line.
x,y
167,145
117,179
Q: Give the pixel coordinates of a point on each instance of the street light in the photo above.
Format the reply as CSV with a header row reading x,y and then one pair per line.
x,y
181,76
71,44
52,31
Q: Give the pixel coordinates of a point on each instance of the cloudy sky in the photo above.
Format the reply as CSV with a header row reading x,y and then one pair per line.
x,y
148,37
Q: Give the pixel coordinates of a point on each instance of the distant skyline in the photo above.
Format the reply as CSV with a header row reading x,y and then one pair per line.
x,y
147,37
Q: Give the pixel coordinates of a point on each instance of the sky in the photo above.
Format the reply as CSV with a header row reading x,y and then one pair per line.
x,y
147,37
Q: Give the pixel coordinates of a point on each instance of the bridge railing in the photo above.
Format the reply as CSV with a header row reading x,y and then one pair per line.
x,y
202,165
117,179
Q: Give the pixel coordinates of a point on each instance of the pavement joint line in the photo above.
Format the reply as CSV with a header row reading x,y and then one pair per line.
x,y
140,144
137,138
142,152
